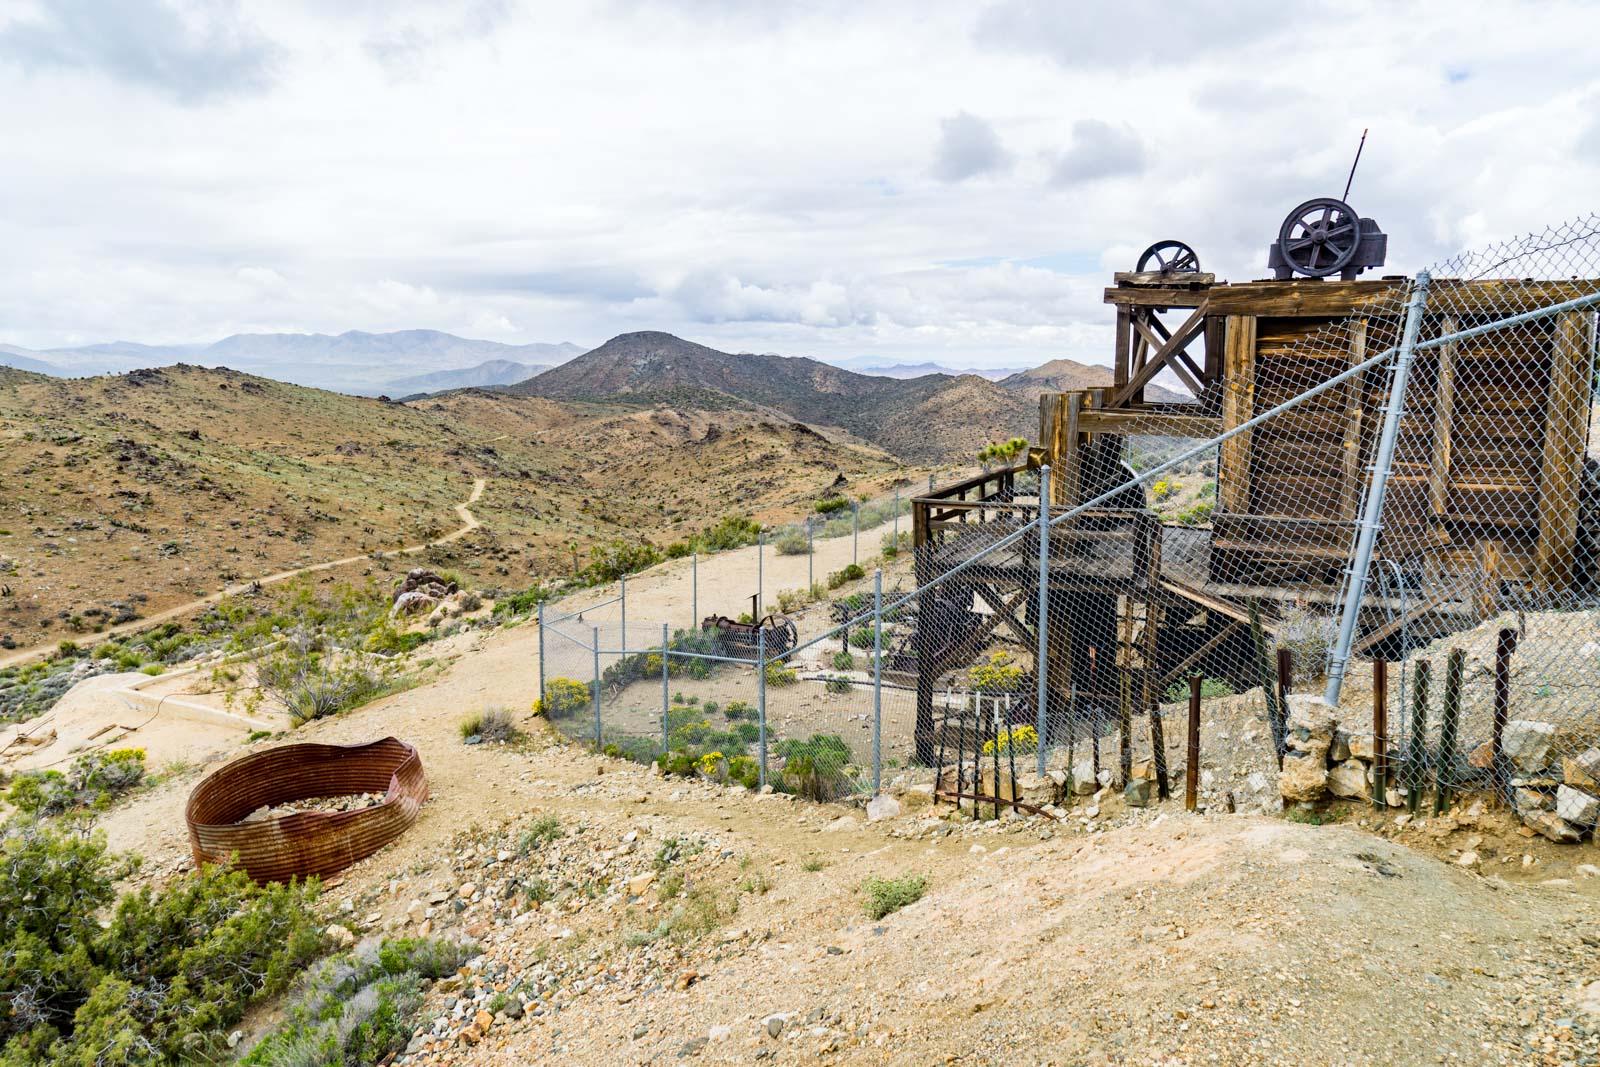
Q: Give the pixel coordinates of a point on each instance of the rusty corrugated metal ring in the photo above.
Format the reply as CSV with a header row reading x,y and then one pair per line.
x,y
307,842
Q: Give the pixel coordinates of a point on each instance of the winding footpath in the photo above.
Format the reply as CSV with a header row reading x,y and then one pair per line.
x,y
469,522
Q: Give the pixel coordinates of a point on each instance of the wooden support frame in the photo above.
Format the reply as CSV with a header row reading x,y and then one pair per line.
x,y
1192,327
1565,435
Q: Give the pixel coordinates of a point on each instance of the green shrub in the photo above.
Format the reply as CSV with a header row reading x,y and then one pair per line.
x,y
829,505
837,684
523,602
711,707
731,531
792,542
165,978
545,829
843,661
747,732
1209,688
850,573
360,1007
312,685
885,896
491,724
613,559
862,637
388,641
818,768
93,781
779,676
739,709
564,697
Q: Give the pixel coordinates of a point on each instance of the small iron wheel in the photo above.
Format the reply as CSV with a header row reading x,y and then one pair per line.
x,y
1320,237
1169,257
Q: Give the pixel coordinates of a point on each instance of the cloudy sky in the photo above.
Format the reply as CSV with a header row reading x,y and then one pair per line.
x,y
919,180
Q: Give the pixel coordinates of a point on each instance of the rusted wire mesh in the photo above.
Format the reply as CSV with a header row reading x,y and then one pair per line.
x,y
306,843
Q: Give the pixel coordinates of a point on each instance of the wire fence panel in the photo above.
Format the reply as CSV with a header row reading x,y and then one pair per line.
x,y
1383,495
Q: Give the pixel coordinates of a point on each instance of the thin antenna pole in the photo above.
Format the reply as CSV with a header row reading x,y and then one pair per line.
x,y
1348,181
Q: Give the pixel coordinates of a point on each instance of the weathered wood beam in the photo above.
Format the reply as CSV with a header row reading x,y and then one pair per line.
x,y
1216,604
1120,371
1443,420
1566,431
1156,298
1233,626
1238,405
1067,489
1146,423
1350,483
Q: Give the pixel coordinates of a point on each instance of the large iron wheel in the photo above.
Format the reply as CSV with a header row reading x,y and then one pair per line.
x,y
1169,257
1320,237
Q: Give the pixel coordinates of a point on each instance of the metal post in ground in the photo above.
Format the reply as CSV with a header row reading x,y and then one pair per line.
x,y
1041,725
811,556
623,581
1380,733
665,701
1191,763
897,518
761,552
1372,511
761,698
877,681
597,687
855,531
930,481
694,591
541,654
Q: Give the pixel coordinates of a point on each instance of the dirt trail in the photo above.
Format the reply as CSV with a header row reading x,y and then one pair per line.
x,y
469,522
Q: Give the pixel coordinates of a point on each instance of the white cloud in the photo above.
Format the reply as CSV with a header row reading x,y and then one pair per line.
x,y
1099,150
823,179
968,146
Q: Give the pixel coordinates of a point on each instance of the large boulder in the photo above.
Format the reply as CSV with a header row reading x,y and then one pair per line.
x,y
1304,776
1311,724
1348,780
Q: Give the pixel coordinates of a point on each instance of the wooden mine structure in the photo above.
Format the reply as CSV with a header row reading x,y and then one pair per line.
x,y
1485,495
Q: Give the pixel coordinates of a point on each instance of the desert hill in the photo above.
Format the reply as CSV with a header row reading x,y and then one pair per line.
x,y
1065,376
130,493
931,418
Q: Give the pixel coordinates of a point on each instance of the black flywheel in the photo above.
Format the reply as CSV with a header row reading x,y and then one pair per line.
x,y
1169,257
1320,237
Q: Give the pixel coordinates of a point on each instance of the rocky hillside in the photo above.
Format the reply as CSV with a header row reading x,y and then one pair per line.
x,y
132,493
932,418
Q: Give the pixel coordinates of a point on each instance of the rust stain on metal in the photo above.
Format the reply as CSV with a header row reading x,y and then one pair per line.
x,y
309,842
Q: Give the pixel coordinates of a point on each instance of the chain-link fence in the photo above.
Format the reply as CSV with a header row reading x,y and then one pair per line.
x,y
1394,472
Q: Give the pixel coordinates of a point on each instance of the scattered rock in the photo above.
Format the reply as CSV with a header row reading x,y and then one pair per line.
x,y
1552,826
1347,779
1576,806
340,937
882,807
1304,776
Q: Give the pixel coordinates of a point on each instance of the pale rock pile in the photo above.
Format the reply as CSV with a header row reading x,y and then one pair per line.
x,y
421,590
1559,799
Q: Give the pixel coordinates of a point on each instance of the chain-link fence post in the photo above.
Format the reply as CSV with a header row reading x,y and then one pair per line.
x,y
897,518
694,591
1041,726
666,701
623,582
761,553
761,698
597,687
855,532
877,681
541,654
1372,513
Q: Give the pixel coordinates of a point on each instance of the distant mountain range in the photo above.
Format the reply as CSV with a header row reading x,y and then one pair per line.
x,y
867,365
365,364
